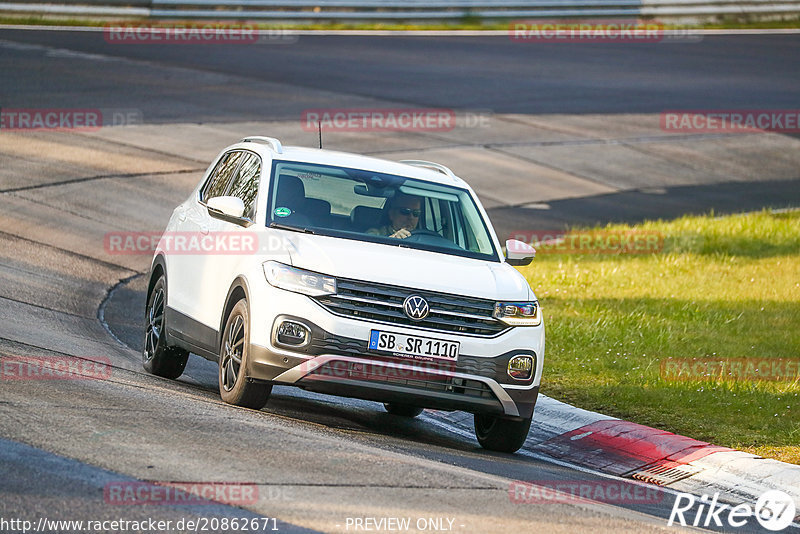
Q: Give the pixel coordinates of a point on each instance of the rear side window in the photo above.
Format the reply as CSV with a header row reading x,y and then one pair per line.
x,y
245,185
221,177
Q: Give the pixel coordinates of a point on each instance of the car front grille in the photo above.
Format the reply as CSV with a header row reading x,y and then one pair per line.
x,y
384,303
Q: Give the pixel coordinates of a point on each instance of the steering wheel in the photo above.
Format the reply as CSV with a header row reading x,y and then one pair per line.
x,y
429,237
424,231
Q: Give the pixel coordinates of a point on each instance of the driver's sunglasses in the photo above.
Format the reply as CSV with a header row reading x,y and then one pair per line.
x,y
409,211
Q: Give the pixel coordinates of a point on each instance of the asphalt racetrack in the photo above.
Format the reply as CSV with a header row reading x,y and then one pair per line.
x,y
548,135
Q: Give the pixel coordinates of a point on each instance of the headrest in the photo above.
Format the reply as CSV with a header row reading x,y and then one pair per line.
x,y
290,189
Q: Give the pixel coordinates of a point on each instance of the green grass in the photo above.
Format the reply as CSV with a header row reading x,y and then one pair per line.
x,y
467,22
726,287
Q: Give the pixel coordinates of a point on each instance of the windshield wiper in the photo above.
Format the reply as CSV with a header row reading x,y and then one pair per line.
x,y
280,226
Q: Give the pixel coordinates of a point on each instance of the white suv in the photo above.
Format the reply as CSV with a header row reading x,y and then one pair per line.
x,y
347,275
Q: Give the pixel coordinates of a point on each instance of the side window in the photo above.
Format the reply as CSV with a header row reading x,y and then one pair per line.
x,y
428,216
443,214
245,185
459,226
218,181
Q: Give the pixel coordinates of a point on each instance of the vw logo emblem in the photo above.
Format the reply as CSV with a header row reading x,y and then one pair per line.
x,y
416,307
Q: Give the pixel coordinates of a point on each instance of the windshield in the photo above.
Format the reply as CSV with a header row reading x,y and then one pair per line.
x,y
377,207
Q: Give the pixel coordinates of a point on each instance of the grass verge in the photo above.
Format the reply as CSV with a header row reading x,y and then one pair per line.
x,y
720,288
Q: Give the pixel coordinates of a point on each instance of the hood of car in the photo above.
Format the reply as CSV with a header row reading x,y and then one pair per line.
x,y
401,266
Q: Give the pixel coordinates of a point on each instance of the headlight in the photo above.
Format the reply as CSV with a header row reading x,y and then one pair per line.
x,y
518,313
298,280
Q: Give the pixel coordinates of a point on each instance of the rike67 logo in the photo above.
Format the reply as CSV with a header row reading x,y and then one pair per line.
x,y
774,511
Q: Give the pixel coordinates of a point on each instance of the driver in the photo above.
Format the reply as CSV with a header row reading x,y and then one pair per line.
x,y
403,213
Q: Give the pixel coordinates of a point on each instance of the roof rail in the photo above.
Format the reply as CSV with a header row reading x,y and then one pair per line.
x,y
430,165
276,144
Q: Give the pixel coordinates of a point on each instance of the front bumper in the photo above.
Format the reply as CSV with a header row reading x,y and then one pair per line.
x,y
344,366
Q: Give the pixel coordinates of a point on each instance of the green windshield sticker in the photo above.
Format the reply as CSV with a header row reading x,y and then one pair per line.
x,y
282,212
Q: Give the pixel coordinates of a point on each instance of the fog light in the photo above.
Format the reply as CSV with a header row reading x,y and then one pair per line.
x,y
520,367
292,333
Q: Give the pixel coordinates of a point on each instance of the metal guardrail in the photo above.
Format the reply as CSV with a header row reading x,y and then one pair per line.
x,y
400,10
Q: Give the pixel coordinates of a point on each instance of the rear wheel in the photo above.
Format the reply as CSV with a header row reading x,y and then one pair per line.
x,y
501,434
404,410
234,386
158,358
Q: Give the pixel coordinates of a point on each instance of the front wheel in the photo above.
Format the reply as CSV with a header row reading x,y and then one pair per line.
x,y
501,434
158,358
403,410
234,386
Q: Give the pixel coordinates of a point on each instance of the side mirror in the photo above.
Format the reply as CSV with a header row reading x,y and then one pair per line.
x,y
229,209
519,253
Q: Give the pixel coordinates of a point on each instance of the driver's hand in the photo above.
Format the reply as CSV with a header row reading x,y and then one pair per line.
x,y
402,233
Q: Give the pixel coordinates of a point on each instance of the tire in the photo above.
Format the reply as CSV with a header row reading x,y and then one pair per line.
x,y
404,410
234,386
501,434
158,358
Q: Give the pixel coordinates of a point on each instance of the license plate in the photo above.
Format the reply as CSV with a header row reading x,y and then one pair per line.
x,y
413,347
